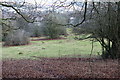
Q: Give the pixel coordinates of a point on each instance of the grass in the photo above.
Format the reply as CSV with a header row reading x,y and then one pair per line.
x,y
51,48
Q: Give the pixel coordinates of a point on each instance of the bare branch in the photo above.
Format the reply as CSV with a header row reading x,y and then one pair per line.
x,y
84,15
17,11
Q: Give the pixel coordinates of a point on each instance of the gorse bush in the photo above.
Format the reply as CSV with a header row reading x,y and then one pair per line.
x,y
15,38
52,25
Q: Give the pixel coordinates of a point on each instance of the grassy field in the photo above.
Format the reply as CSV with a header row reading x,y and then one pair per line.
x,y
52,48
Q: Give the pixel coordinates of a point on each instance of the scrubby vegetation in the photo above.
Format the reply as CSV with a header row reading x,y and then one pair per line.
x,y
15,38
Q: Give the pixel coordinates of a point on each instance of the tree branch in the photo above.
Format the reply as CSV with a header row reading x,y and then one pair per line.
x,y
7,5
84,15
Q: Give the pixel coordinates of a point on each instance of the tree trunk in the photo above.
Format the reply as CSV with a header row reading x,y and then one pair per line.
x,y
115,50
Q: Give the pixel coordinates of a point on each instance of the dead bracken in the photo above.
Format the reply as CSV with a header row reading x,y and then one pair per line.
x,y
60,68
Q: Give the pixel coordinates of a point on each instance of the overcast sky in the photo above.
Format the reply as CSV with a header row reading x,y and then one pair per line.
x,y
45,1
48,3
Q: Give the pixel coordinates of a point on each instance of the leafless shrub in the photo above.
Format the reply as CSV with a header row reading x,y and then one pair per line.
x,y
15,38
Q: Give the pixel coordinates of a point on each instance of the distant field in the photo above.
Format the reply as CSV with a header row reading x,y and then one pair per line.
x,y
51,48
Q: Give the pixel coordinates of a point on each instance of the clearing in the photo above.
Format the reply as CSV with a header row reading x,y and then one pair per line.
x,y
64,58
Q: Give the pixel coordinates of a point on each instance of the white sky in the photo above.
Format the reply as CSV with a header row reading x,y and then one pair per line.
x,y
39,1
51,1
48,3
